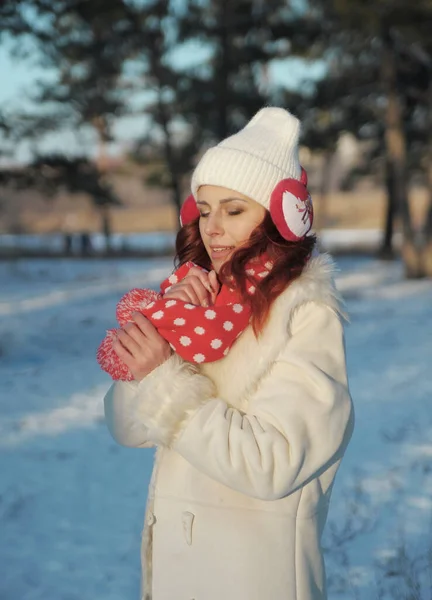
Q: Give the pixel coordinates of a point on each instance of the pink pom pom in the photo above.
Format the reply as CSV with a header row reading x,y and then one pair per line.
x,y
109,360
135,300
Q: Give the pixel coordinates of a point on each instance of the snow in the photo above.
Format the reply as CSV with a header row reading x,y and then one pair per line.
x,y
154,241
72,500
163,242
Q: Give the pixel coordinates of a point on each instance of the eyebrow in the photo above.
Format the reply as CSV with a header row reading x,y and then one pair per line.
x,y
223,201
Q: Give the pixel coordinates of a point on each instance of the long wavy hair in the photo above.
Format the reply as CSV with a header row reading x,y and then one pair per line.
x,y
289,260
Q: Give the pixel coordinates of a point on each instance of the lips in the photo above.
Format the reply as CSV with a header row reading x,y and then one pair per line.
x,y
220,251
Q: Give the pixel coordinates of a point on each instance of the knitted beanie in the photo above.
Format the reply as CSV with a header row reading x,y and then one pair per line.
x,y
261,161
255,159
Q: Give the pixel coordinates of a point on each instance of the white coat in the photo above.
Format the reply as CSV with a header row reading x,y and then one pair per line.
x,y
248,448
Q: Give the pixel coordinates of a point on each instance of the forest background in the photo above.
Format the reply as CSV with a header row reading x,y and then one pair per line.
x,y
124,95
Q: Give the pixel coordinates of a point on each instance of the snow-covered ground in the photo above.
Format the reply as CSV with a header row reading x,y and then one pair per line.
x,y
154,242
72,501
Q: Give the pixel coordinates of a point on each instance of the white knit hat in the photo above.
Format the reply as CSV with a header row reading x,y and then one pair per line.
x,y
255,159
261,162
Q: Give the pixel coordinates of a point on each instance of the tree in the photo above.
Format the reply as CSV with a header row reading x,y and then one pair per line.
x,y
171,143
86,44
120,52
371,88
389,26
54,173
198,101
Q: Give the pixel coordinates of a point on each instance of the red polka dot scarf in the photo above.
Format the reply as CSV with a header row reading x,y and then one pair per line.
x,y
196,333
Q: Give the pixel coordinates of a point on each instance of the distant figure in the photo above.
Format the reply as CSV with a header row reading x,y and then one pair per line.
x,y
248,444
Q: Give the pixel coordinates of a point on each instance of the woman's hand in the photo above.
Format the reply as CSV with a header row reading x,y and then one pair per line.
x,y
141,347
197,288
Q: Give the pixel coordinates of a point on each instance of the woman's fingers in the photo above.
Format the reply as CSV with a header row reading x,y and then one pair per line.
x,y
141,347
202,276
128,338
183,291
122,353
135,332
146,329
208,280
196,286
179,294
214,282
189,290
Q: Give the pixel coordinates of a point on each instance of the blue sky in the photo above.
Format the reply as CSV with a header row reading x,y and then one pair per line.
x,y
16,79
14,75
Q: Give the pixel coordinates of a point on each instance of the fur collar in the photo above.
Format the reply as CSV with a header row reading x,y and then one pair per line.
x,y
238,374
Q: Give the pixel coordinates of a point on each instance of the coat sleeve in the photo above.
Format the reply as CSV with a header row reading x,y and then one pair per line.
x,y
169,380
119,404
297,424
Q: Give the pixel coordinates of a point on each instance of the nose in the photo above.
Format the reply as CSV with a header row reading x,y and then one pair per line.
x,y
213,225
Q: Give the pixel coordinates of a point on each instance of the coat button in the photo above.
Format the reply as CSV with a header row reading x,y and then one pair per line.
x,y
187,519
151,519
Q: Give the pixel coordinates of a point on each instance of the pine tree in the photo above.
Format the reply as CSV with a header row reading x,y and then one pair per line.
x,y
237,41
374,86
86,44
389,28
170,145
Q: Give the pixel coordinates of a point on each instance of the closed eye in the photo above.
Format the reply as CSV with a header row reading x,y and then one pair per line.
x,y
231,213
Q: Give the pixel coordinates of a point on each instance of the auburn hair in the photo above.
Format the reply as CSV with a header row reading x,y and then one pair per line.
x,y
289,260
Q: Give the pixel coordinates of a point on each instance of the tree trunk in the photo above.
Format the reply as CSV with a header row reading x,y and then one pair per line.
x,y
106,227
324,191
427,248
386,250
101,158
102,165
85,244
396,156
427,237
176,192
67,244
175,184
224,70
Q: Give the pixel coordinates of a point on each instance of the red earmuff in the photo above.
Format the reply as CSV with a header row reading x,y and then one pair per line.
x,y
291,208
188,211
303,177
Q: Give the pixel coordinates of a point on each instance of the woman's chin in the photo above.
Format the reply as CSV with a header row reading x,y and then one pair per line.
x,y
218,262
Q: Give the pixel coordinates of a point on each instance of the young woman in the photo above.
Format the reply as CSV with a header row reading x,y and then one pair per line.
x,y
247,446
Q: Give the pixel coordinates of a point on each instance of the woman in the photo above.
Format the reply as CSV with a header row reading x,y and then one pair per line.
x,y
249,445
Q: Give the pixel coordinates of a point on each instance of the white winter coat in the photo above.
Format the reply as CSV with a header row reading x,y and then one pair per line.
x,y
248,448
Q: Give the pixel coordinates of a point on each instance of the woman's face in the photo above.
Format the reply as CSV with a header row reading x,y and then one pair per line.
x,y
226,222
